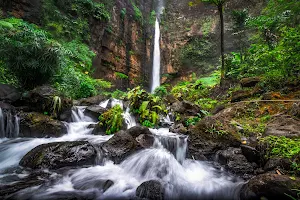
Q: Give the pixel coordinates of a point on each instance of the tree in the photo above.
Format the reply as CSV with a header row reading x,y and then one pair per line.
x,y
220,5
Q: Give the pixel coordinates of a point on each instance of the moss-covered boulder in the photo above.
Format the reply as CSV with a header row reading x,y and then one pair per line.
x,y
271,186
35,124
60,154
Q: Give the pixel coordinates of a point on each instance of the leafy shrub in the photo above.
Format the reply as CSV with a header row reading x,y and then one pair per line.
x,y
121,75
28,52
112,120
147,106
160,91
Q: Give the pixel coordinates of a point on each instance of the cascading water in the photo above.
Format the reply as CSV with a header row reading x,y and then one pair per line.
x,y
9,124
166,162
156,58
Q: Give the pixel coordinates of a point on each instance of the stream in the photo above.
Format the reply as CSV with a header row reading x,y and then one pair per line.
x,y
165,162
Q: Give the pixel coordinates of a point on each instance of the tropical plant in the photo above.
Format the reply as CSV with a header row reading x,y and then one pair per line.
x,y
112,120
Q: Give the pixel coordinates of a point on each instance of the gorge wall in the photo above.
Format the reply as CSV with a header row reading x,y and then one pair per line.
x,y
123,46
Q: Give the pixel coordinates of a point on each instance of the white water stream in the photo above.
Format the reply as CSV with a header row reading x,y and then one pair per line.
x,y
166,162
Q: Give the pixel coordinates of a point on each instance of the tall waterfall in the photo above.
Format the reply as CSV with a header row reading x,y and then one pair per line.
x,y
156,59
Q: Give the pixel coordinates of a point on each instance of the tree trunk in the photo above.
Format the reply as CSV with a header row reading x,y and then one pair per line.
x,y
220,9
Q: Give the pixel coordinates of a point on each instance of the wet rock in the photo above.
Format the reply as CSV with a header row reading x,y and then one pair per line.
x,y
107,185
206,138
284,125
249,82
235,161
95,100
270,186
138,130
97,129
120,146
9,93
250,153
34,179
145,140
151,190
170,99
39,125
178,128
60,154
41,99
277,163
95,110
185,107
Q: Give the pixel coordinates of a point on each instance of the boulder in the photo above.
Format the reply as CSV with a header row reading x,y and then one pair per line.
x,y
41,99
97,129
185,107
270,186
95,100
277,163
95,110
235,161
208,136
145,140
240,95
9,93
138,130
39,125
119,147
178,128
249,82
60,154
284,125
250,153
151,190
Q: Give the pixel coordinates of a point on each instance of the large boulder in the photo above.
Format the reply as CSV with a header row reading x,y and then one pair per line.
x,y
271,186
235,161
278,163
151,190
284,125
120,146
178,128
41,99
60,154
9,93
210,135
39,125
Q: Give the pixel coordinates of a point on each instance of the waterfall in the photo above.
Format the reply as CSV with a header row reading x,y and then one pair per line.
x,y
156,59
129,118
9,124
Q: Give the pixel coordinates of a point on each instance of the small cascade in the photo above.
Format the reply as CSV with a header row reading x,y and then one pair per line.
x,y
9,124
79,116
129,118
115,102
174,143
104,104
156,59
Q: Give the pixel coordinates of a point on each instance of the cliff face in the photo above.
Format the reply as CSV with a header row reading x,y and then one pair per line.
x,y
124,46
191,36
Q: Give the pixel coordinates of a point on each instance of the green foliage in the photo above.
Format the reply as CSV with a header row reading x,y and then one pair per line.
x,y
121,75
274,53
123,13
112,120
28,52
147,106
7,77
281,147
118,94
196,53
192,121
152,18
138,15
160,91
